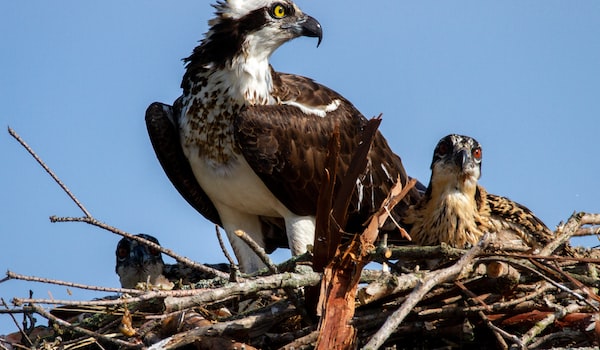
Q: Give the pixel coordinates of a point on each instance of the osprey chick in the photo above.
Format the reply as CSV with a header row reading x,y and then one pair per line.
x,y
246,145
139,263
457,210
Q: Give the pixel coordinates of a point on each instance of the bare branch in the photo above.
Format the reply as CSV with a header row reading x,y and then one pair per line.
x,y
541,325
29,343
49,171
223,248
565,232
179,258
257,249
15,276
283,280
81,330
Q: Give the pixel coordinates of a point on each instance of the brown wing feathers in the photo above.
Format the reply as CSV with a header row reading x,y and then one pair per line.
x,y
287,148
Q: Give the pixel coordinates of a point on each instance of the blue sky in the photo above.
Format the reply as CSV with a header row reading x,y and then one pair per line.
x,y
76,77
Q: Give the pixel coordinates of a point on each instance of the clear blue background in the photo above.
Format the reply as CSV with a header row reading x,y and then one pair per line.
x,y
76,77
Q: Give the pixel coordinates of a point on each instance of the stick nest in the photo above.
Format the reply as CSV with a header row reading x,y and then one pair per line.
x,y
499,299
491,296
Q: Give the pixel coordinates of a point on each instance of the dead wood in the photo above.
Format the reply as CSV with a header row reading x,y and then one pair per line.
x,y
491,296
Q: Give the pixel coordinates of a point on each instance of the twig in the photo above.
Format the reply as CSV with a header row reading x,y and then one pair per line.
x,y
253,323
223,248
565,232
548,257
182,299
12,275
474,299
257,249
106,302
540,326
500,306
49,171
78,329
590,219
562,334
234,272
302,342
534,271
587,231
388,284
29,343
420,252
179,258
430,280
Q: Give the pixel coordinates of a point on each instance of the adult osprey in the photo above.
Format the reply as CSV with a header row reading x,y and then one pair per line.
x,y
246,145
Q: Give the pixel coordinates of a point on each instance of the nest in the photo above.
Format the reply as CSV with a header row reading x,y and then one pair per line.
x,y
408,297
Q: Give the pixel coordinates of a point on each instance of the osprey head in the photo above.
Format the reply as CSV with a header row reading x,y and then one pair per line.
x,y
255,28
457,158
137,262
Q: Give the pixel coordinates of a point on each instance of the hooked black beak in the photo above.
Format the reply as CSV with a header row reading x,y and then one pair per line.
x,y
461,158
311,28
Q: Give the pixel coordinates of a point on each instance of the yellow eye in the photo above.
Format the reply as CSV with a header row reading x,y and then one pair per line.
x,y
279,11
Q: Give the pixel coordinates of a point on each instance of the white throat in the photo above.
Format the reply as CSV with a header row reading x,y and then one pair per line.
x,y
249,74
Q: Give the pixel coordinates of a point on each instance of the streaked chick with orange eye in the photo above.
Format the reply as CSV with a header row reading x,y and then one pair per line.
x,y
138,263
457,210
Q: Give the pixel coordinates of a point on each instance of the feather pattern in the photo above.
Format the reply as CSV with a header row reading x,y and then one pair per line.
x,y
458,211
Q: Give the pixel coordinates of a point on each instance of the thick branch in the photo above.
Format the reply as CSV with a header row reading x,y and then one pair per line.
x,y
284,280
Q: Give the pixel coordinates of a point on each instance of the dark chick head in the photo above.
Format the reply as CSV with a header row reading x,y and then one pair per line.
x,y
137,262
456,161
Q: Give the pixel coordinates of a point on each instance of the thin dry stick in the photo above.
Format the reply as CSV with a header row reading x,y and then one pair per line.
x,y
17,323
549,257
541,275
474,298
540,326
566,333
564,232
430,280
258,320
588,231
49,171
590,219
543,288
257,249
182,299
502,332
223,248
234,273
78,329
15,276
179,258
106,302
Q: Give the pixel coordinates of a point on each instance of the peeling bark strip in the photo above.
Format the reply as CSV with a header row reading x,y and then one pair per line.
x,y
340,279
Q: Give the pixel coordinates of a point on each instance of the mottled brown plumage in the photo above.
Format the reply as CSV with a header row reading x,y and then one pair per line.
x,y
247,145
456,210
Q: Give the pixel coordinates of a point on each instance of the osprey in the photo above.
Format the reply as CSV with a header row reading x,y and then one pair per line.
x,y
457,210
139,263
246,145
